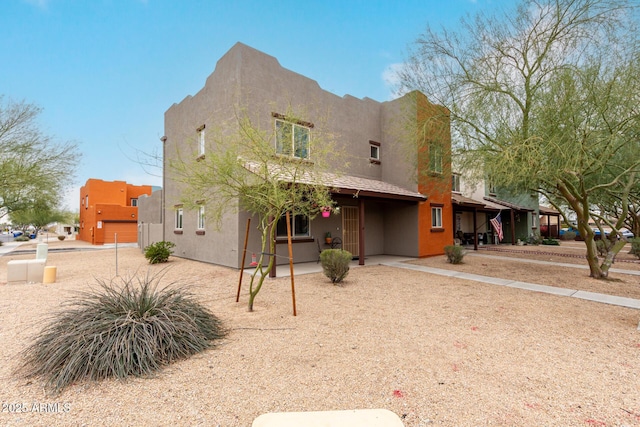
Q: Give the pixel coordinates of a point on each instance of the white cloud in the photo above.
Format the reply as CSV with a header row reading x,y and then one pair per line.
x,y
391,78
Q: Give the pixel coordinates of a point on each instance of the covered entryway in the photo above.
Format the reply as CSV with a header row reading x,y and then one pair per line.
x,y
350,232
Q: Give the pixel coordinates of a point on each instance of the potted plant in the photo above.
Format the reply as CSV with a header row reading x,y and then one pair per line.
x,y
327,238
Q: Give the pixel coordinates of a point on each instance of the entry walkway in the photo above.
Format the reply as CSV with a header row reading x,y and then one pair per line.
x,y
399,262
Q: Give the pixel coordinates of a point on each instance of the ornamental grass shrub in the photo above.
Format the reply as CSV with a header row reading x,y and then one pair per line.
x,y
550,241
454,253
127,327
335,264
568,235
159,252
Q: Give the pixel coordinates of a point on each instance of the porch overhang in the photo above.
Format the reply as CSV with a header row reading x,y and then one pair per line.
x,y
339,184
503,204
365,187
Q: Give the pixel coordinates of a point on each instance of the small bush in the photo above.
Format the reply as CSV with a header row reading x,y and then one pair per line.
x,y
129,328
335,264
534,239
603,246
61,237
454,253
550,241
22,238
159,252
635,246
568,235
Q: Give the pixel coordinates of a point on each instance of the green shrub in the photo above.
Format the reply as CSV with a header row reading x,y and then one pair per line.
x,y
22,238
568,235
454,253
128,327
159,252
635,246
603,246
61,238
534,239
335,264
550,241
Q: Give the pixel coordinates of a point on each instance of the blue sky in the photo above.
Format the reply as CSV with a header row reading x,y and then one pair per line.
x,y
105,71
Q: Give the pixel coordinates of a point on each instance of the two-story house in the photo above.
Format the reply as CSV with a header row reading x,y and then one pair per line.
x,y
394,197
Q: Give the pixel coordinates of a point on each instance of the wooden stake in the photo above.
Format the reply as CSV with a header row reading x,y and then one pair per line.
x,y
293,288
244,254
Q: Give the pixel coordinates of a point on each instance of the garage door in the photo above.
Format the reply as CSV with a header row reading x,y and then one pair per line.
x,y
127,232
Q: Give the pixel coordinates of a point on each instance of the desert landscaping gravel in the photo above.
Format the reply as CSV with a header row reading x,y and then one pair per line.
x,y
437,351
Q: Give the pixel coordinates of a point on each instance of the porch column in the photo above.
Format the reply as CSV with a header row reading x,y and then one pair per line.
x,y
475,229
549,226
513,227
361,231
272,272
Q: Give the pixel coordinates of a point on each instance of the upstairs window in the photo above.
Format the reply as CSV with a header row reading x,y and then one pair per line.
x,y
374,152
435,158
134,202
201,141
455,183
292,139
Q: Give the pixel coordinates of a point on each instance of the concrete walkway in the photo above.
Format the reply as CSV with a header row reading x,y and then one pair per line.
x,y
399,262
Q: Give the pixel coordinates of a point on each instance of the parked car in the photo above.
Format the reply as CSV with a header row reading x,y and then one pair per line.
x,y
16,233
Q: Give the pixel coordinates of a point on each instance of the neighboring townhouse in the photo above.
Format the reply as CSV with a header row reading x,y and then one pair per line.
x,y
475,205
393,199
109,209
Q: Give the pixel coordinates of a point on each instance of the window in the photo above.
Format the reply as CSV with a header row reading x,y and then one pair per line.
x,y
374,150
299,226
86,202
178,223
534,220
292,139
201,218
455,182
134,202
436,217
201,141
435,158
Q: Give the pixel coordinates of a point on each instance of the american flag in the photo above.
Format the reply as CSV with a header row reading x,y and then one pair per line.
x,y
496,223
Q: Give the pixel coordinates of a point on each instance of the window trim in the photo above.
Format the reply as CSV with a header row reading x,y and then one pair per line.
x,y
436,220
294,124
201,141
374,145
293,223
201,223
178,219
455,179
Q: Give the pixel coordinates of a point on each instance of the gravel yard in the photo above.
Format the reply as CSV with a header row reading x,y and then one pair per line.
x,y
436,351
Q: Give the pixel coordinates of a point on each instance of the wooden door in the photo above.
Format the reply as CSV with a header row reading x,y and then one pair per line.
x,y
350,236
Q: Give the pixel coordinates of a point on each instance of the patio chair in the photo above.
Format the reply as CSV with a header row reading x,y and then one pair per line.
x,y
336,243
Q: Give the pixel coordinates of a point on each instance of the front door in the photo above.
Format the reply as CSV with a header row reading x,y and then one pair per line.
x,y
350,237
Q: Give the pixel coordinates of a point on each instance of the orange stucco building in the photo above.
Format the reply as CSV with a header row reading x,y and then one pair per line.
x,y
110,208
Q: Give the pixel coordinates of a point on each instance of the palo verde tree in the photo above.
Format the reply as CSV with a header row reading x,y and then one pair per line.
x,y
264,172
38,214
544,97
32,165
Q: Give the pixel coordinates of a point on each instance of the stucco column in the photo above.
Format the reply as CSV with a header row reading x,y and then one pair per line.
x,y
361,231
